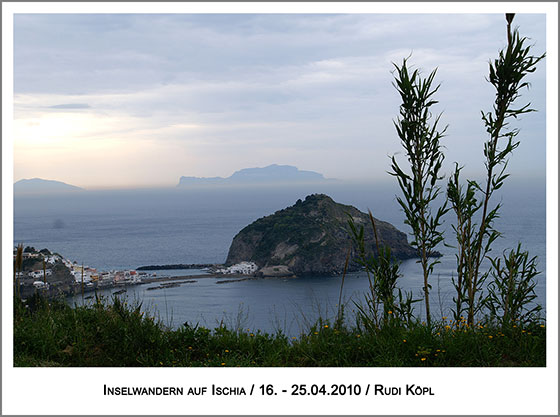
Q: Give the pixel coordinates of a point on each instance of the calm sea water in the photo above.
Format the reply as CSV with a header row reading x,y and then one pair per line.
x,y
127,229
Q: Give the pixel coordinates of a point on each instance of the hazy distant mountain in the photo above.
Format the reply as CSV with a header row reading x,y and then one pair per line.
x,y
38,185
274,174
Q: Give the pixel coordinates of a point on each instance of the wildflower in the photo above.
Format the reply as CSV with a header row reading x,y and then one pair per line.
x,y
444,317
448,327
251,334
227,351
315,332
542,325
437,350
389,312
404,340
294,338
358,335
490,336
326,326
223,363
190,347
423,359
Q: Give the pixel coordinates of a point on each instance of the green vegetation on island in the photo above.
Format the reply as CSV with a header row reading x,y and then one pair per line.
x,y
311,237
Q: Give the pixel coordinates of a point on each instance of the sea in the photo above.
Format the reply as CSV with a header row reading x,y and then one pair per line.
x,y
126,229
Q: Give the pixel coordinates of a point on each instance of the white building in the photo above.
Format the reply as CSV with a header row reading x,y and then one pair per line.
x,y
39,273
41,285
244,268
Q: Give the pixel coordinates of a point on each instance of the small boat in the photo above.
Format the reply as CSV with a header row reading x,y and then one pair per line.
x,y
119,292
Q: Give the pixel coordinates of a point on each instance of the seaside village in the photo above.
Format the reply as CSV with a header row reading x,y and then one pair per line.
x,y
53,274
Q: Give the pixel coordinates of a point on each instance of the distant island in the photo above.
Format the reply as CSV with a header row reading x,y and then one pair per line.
x,y
272,174
39,185
310,238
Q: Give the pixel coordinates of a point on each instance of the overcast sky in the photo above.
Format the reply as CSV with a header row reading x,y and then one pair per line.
x,y
112,100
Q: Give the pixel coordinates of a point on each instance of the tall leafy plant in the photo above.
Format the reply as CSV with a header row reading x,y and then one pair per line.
x,y
383,272
507,75
511,294
420,137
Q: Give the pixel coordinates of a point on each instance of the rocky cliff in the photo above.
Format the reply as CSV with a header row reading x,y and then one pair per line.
x,y
311,237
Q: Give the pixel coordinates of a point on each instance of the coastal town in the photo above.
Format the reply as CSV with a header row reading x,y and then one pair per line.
x,y
50,274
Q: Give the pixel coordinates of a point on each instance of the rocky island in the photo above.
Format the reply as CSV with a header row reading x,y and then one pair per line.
x,y
270,175
311,238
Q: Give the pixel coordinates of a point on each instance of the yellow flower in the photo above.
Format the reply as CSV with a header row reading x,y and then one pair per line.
x,y
389,312
404,340
190,347
358,335
423,359
315,332
227,351
251,334
326,326
294,338
542,325
445,318
490,337
223,363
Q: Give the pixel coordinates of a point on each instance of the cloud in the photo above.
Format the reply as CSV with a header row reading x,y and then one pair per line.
x,y
230,91
71,106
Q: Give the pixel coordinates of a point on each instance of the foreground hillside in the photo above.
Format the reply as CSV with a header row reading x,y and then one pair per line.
x,y
115,334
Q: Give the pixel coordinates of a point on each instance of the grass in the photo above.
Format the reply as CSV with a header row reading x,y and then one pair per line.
x,y
117,334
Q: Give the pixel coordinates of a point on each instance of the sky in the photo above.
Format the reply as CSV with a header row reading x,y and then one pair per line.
x,y
138,100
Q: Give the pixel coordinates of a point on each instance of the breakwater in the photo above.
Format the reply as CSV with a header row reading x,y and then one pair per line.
x,y
177,266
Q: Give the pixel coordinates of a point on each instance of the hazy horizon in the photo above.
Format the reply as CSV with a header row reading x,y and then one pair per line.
x,y
383,183
138,100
